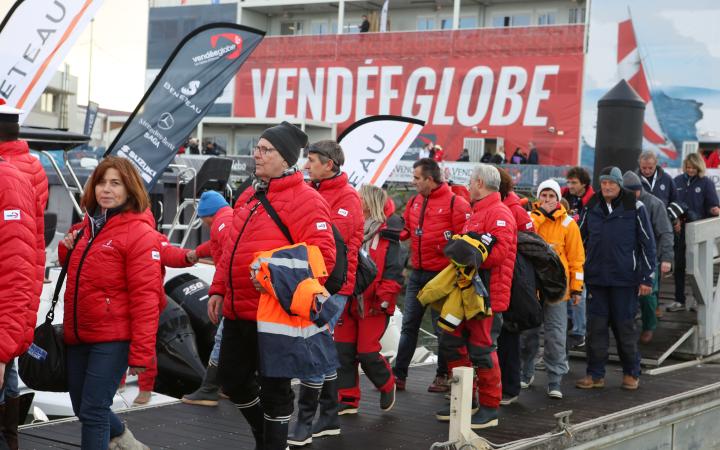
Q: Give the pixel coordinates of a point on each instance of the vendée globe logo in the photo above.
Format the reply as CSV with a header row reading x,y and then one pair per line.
x,y
229,51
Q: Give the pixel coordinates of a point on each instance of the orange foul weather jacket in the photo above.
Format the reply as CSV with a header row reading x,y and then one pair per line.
x,y
293,335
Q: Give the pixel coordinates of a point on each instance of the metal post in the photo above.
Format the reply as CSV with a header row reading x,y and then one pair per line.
x,y
456,14
341,17
461,393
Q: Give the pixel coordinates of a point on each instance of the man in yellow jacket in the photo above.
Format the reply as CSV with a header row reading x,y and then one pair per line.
x,y
560,231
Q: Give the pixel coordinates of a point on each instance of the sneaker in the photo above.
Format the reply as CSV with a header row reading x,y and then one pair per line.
x,y
540,365
484,418
675,307
400,384
346,409
443,415
646,336
526,384
143,398
387,399
121,388
440,384
630,383
576,342
553,391
508,399
588,382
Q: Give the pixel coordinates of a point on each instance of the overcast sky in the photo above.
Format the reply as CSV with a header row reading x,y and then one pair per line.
x,y
119,47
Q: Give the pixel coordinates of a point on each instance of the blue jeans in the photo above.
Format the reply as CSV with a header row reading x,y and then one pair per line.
x,y
10,386
413,312
577,315
555,326
94,373
215,354
612,308
341,300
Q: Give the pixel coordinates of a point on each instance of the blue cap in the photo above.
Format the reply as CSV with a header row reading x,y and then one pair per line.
x,y
210,202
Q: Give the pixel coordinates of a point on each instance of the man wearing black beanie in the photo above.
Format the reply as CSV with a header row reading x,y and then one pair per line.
x,y
288,140
266,400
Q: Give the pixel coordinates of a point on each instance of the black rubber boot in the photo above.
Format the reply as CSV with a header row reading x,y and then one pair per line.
x,y
307,405
254,416
276,433
207,394
328,423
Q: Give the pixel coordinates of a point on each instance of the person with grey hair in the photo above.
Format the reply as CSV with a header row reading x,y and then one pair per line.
x,y
654,179
323,165
619,266
663,231
474,341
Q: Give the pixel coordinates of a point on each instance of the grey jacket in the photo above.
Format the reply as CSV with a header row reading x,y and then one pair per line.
x,y
661,226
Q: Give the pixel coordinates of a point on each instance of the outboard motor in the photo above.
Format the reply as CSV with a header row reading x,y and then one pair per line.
x,y
178,359
191,293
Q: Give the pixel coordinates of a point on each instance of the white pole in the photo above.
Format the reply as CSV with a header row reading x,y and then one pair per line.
x,y
341,17
456,14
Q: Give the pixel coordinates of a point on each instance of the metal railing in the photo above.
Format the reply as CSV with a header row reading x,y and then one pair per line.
x,y
702,238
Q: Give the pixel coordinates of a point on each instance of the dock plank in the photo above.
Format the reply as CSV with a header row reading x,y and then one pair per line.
x,y
410,425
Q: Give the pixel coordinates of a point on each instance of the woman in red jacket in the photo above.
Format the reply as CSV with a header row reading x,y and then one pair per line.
x,y
363,323
114,287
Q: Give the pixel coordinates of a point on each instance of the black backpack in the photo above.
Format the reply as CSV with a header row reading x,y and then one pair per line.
x,y
339,274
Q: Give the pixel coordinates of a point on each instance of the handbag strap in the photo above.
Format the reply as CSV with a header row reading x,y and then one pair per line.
x,y
61,279
274,215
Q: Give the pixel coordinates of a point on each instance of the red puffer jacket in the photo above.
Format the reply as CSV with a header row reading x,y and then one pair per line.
x,y
18,154
384,249
430,222
522,218
219,234
490,215
18,270
114,286
304,213
347,215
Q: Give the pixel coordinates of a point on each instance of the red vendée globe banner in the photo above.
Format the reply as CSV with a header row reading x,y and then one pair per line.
x,y
515,85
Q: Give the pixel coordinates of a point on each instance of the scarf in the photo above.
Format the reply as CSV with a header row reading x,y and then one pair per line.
x,y
369,231
99,218
262,186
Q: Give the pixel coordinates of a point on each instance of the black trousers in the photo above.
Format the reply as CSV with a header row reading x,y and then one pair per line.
x,y
238,371
509,359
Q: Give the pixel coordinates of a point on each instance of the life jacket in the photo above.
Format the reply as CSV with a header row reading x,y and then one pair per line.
x,y
293,313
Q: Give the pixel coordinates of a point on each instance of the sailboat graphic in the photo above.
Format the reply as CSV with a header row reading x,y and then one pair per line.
x,y
630,68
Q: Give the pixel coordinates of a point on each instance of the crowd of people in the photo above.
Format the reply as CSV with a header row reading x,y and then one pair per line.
x,y
307,292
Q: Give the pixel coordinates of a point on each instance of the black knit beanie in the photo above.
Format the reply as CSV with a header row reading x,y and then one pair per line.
x,y
288,139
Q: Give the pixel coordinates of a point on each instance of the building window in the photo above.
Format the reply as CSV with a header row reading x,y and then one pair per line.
x,y
468,22
576,15
47,102
446,23
319,27
547,18
425,23
291,28
514,20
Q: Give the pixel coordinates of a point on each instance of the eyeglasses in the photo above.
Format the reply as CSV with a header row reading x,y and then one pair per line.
x,y
264,151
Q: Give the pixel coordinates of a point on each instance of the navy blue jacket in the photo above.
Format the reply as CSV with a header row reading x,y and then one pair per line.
x,y
697,193
663,188
619,246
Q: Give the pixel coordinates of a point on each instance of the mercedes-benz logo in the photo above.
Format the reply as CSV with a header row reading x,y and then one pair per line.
x,y
166,121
